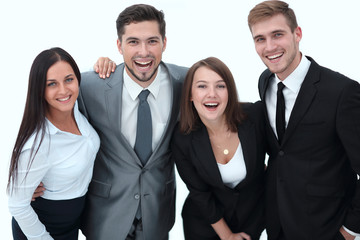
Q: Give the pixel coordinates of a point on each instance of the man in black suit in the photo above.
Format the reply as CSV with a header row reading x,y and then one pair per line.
x,y
313,132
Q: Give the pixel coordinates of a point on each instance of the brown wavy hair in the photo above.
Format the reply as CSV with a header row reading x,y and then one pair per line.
x,y
189,118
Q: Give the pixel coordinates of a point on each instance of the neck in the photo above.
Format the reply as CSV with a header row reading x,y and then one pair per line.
x,y
64,121
217,128
282,76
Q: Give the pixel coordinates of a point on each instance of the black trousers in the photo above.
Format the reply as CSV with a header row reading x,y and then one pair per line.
x,y
60,217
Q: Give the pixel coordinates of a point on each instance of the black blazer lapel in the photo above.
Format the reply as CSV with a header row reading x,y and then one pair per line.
x,y
263,85
247,136
202,148
304,99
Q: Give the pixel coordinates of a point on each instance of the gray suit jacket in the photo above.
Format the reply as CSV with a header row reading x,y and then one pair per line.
x,y
119,180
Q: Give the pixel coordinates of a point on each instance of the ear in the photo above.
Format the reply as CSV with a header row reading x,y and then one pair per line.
x,y
298,34
164,44
118,43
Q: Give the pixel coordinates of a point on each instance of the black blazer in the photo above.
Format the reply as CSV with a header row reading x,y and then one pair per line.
x,y
312,187
241,207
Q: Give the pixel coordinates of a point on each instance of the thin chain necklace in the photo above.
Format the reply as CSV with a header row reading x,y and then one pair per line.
x,y
224,150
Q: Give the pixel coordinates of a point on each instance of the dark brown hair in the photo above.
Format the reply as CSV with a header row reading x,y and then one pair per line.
x,y
267,9
189,118
139,13
33,121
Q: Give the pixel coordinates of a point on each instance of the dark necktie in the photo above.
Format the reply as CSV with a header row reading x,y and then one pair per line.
x,y
143,143
280,112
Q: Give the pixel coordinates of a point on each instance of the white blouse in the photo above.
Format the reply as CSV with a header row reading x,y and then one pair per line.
x,y
234,171
64,163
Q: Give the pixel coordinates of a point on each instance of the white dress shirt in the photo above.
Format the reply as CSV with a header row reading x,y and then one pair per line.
x,y
292,87
234,171
64,163
159,99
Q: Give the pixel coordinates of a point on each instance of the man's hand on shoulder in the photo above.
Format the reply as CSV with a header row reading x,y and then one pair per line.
x,y
104,66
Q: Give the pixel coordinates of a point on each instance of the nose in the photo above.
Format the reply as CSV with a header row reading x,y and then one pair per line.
x,y
62,88
143,51
211,91
270,45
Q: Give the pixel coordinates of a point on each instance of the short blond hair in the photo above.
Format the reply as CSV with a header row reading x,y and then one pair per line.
x,y
267,9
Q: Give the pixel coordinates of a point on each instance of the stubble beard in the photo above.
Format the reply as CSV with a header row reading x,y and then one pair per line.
x,y
142,79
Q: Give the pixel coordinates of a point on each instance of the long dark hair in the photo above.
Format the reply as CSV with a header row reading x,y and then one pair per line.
x,y
33,121
189,117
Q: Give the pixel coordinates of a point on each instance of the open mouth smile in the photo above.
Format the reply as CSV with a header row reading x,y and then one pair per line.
x,y
275,57
211,105
64,99
144,66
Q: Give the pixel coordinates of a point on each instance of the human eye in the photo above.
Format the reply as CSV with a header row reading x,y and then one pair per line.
x,y
259,39
132,42
201,86
51,84
69,79
221,85
277,35
153,41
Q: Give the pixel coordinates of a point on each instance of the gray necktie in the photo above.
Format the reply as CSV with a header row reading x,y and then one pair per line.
x,y
143,143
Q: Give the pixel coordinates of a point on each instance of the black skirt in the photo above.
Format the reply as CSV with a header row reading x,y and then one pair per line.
x,y
60,217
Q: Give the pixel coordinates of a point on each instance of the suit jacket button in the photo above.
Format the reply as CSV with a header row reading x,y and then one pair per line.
x,y
281,153
137,196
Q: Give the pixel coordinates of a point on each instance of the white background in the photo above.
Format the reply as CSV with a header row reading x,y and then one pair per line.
x,y
195,30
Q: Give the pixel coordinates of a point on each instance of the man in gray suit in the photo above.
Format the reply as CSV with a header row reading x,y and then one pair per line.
x,y
129,198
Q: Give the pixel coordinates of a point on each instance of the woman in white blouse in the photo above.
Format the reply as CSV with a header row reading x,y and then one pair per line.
x,y
219,150
55,145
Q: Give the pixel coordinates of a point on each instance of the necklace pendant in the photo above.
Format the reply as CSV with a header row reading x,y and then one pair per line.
x,y
226,152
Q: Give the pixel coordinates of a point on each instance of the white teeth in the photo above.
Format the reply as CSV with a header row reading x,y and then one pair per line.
x,y
275,56
211,104
143,63
64,99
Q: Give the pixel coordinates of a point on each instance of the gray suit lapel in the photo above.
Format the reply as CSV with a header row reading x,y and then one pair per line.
x,y
174,112
113,98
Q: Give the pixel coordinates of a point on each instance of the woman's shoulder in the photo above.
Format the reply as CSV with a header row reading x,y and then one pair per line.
x,y
35,140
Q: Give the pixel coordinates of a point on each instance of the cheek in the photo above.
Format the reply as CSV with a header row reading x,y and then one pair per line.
x,y
258,49
47,95
75,90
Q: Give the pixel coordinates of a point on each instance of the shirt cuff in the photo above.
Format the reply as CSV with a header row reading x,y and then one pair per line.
x,y
351,232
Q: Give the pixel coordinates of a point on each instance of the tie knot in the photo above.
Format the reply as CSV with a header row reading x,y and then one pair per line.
x,y
143,95
280,86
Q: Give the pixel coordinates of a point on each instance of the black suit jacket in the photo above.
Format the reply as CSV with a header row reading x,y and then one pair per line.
x,y
209,199
312,187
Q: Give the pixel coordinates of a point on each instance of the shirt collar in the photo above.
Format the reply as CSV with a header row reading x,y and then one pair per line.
x,y
134,89
295,79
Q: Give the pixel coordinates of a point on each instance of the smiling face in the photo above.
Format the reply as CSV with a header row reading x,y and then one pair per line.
x,y
142,47
62,89
277,45
209,95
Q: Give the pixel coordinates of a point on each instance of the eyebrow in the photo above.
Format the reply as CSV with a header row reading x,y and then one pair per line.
x,y
135,38
273,32
201,81
52,80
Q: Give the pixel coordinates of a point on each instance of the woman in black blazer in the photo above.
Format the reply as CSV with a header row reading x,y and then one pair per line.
x,y
219,151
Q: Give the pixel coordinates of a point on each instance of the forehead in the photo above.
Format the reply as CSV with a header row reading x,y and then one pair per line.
x,y
142,29
270,25
205,74
59,68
